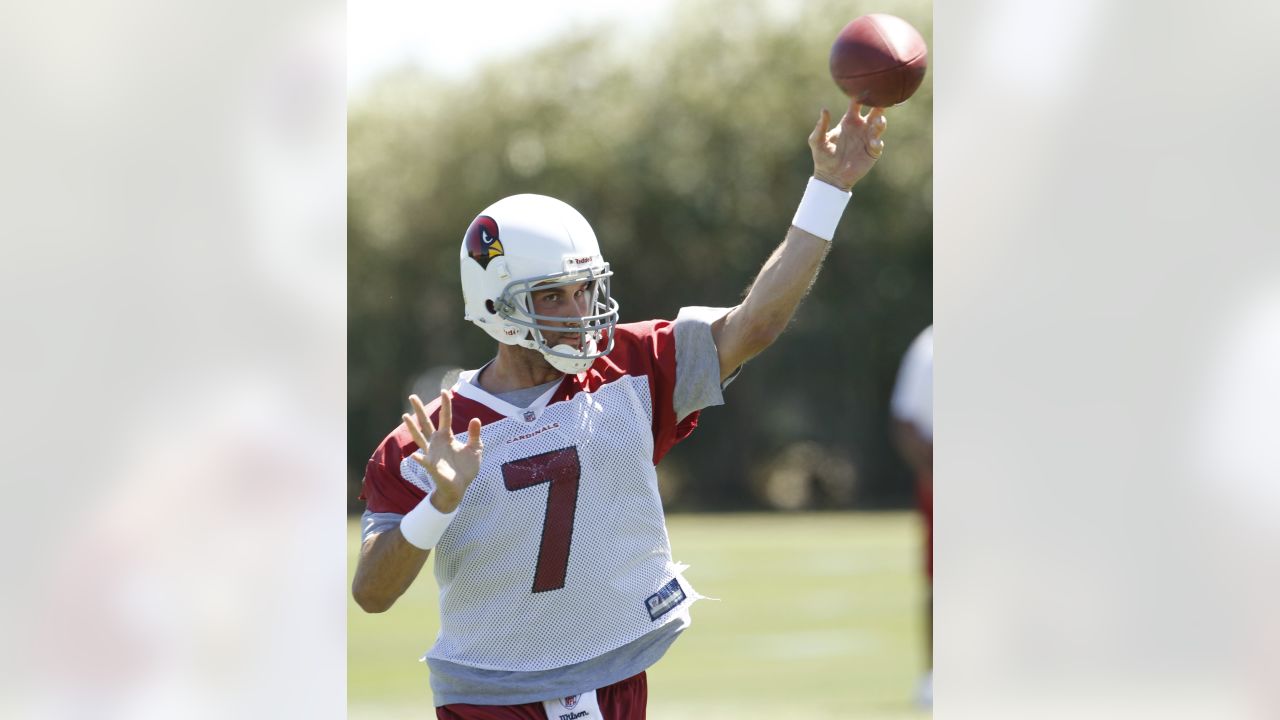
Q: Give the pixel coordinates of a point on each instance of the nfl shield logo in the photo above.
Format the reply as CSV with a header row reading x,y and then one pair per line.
x,y
570,702
529,416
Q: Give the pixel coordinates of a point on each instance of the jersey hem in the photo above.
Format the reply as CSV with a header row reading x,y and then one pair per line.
x,y
440,700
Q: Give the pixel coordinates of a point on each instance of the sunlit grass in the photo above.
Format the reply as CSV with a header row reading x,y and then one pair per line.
x,y
818,616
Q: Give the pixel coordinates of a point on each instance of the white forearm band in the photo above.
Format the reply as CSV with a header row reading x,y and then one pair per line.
x,y
423,525
820,209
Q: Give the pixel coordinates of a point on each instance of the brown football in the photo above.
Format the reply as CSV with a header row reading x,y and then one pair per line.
x,y
879,60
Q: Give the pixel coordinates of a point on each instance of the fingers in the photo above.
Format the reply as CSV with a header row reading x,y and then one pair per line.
x,y
421,427
853,116
833,134
877,121
418,437
424,422
820,130
446,412
419,430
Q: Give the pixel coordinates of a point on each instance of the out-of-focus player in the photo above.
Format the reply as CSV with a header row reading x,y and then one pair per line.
x,y
533,477
912,419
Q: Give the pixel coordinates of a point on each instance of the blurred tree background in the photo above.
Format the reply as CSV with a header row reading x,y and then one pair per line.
x,y
687,153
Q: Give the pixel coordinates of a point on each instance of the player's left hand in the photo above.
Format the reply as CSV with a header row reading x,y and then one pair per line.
x,y
844,154
452,465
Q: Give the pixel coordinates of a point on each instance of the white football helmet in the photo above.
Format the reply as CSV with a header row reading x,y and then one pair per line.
x,y
525,243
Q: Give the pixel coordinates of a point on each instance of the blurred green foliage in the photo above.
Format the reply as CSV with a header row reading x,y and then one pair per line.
x,y
687,153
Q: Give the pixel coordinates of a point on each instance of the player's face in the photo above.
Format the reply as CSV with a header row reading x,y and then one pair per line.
x,y
570,301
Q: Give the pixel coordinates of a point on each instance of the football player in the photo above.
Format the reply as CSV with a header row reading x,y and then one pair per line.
x,y
912,411
533,477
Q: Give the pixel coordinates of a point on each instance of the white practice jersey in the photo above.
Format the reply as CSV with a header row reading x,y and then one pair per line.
x,y
912,399
559,551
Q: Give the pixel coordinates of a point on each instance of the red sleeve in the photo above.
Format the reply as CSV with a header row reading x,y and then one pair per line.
x,y
384,489
649,348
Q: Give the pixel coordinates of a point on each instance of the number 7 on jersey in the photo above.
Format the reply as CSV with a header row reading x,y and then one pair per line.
x,y
559,468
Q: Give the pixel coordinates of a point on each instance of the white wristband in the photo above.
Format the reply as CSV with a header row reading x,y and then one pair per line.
x,y
423,525
820,209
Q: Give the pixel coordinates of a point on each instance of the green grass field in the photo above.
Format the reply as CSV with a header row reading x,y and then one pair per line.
x,y
819,616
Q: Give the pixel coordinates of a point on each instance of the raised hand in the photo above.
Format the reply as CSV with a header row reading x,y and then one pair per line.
x,y
844,154
452,465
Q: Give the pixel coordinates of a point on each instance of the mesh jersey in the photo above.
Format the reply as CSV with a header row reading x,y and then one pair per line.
x,y
559,551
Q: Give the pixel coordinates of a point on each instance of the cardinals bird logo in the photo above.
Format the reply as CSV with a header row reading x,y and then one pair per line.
x,y
482,240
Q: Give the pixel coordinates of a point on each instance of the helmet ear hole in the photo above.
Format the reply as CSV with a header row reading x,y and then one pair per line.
x,y
488,305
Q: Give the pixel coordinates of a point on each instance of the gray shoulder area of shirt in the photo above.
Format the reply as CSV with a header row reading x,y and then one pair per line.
x,y
372,523
698,383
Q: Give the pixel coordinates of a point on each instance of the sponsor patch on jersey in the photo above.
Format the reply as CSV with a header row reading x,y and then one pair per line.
x,y
666,599
580,707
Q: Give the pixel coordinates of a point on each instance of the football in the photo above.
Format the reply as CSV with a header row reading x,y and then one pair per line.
x,y
879,60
